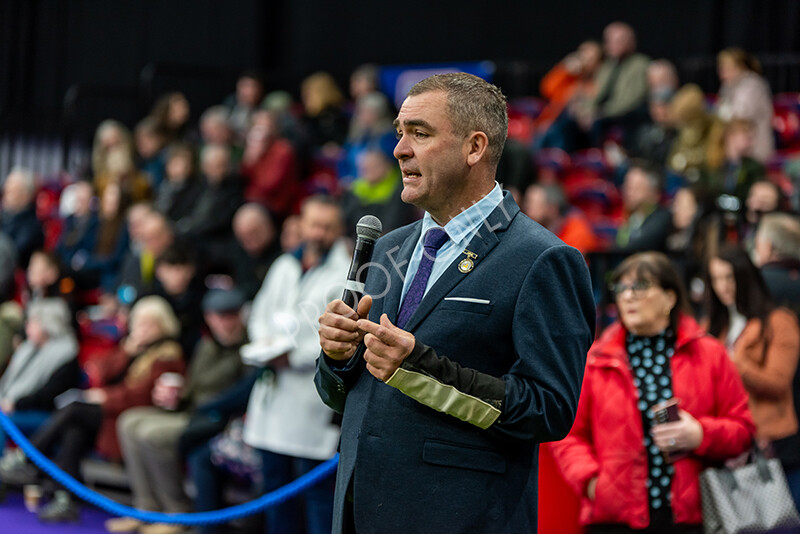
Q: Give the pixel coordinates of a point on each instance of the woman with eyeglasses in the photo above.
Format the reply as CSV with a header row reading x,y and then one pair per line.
x,y
764,343
635,463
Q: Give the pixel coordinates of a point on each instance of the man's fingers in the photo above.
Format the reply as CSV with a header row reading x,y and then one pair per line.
x,y
386,331
364,305
337,334
338,307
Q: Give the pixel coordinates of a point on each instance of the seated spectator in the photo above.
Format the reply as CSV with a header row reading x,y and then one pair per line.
x,y
548,205
171,113
179,283
110,134
99,266
257,247
745,94
570,85
738,170
179,193
370,129
621,82
648,223
777,253
689,153
763,197
149,435
516,169
633,472
43,366
150,143
79,233
242,104
18,218
8,265
653,141
119,169
662,76
215,130
269,166
121,380
209,222
687,244
764,343
324,117
11,322
286,420
365,79
137,276
44,277
376,192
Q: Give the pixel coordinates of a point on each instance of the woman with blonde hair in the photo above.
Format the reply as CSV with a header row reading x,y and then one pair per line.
x,y
323,102
109,134
120,380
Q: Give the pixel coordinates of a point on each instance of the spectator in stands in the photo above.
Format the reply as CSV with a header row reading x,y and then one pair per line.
x,y
548,205
178,194
79,233
569,86
648,223
209,222
687,243
376,192
137,276
245,102
180,284
257,247
777,253
172,113
294,430
621,96
43,276
119,169
745,94
269,166
633,473
18,218
324,118
689,153
11,323
109,134
8,265
662,76
365,79
42,367
290,233
120,380
764,342
370,129
215,130
98,267
764,196
149,435
653,141
150,143
739,170
516,169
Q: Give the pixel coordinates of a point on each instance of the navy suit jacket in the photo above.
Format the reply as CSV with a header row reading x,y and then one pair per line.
x,y
526,324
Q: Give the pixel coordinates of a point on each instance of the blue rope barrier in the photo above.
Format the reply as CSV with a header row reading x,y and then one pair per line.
x,y
194,519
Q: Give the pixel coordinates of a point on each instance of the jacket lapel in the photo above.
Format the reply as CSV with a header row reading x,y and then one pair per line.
x,y
481,244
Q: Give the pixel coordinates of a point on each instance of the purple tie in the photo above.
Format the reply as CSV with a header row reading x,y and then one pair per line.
x,y
434,239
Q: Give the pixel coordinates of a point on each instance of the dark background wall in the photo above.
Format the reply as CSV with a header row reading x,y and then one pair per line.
x,y
48,46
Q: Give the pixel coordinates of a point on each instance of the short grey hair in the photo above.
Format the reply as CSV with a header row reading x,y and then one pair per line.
x,y
215,113
473,105
782,231
26,177
53,315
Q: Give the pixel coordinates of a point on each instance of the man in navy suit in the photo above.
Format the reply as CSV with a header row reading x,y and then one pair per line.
x,y
471,348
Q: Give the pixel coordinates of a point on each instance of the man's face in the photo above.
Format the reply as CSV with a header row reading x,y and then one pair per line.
x,y
253,233
215,167
617,41
320,226
226,327
248,92
762,198
536,206
636,190
15,195
433,160
155,236
175,279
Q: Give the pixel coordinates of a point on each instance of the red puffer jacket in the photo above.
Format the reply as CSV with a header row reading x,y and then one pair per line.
x,y
606,440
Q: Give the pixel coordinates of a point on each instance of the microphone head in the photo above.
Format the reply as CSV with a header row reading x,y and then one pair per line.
x,y
369,227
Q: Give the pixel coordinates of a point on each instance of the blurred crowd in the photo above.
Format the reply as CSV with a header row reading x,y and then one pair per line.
x,y
149,304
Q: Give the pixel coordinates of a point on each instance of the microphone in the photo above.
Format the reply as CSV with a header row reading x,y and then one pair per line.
x,y
368,229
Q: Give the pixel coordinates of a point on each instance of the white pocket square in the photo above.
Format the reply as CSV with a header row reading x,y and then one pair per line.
x,y
469,299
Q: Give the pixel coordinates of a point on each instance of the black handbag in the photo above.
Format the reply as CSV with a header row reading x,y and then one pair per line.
x,y
750,499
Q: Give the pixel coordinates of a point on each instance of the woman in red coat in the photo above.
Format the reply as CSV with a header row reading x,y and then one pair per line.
x,y
633,473
123,379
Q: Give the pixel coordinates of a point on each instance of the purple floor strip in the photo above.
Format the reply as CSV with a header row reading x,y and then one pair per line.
x,y
14,518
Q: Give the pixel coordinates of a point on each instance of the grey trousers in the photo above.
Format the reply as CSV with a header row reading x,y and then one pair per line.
x,y
149,440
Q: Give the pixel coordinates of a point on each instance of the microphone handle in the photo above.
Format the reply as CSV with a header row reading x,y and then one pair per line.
x,y
357,276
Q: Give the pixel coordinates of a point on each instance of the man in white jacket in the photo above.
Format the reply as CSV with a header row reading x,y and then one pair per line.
x,y
286,420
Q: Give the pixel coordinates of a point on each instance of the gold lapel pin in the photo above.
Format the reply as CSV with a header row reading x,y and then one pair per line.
x,y
468,263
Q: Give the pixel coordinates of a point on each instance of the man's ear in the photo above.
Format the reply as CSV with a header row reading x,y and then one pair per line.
x,y
477,148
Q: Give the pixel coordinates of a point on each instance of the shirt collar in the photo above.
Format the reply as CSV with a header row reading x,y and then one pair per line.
x,y
463,225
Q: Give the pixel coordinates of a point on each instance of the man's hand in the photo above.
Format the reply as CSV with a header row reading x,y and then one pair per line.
x,y
686,434
387,347
339,335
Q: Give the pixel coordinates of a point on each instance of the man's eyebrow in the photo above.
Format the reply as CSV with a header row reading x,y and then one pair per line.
x,y
412,122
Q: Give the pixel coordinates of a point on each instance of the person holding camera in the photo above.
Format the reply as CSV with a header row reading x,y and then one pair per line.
x,y
661,401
